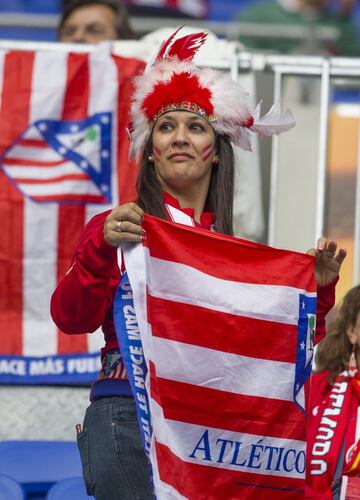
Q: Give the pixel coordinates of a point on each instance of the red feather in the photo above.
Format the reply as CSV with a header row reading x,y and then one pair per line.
x,y
186,47
181,87
165,45
183,48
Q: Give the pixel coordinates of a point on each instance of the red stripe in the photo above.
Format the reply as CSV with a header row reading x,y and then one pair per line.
x,y
219,256
71,198
9,162
201,482
71,217
239,335
14,116
67,177
126,69
33,143
244,414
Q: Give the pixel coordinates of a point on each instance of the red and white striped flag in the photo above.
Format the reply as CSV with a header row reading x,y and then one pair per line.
x,y
53,104
226,329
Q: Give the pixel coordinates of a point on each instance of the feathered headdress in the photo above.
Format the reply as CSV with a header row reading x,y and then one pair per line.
x,y
174,82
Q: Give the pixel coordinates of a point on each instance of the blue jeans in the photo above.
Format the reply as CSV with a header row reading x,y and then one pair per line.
x,y
113,460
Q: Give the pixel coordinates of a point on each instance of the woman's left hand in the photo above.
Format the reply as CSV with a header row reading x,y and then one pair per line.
x,y
327,260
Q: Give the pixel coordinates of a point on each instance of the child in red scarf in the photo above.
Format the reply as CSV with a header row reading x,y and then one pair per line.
x,y
334,413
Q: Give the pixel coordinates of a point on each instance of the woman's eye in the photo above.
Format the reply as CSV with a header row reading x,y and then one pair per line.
x,y
165,126
197,126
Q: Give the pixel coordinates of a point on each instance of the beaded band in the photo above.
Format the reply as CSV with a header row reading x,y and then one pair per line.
x,y
185,106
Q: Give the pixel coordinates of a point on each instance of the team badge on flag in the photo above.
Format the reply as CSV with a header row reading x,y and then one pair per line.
x,y
63,161
215,333
305,347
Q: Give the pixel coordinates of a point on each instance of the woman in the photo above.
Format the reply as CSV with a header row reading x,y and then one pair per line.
x,y
184,120
334,425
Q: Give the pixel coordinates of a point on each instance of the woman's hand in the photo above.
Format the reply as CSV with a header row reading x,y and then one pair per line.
x,y
123,224
327,261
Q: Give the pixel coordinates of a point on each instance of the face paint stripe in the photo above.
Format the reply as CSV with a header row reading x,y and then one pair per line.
x,y
157,153
206,148
206,157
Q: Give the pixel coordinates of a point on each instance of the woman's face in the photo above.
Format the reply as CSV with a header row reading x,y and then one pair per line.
x,y
183,150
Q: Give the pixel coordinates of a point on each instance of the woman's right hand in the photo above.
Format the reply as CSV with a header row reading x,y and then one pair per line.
x,y
124,224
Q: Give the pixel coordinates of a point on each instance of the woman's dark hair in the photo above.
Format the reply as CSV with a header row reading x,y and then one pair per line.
x,y
334,351
221,189
122,23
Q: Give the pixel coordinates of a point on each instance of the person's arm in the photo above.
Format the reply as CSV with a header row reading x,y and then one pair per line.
x,y
83,296
328,262
325,302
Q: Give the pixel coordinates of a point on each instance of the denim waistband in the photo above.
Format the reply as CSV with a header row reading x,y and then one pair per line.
x,y
109,388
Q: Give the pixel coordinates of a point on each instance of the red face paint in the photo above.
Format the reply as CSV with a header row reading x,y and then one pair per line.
x,y
157,153
207,150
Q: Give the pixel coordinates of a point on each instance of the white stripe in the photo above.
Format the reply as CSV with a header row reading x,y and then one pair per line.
x,y
95,340
266,302
27,172
33,153
182,438
178,216
357,430
60,188
2,64
33,134
198,365
41,220
103,97
344,485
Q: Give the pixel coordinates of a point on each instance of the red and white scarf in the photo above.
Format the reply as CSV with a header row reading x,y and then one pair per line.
x,y
333,424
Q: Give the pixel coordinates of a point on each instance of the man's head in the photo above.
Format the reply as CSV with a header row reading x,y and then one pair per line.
x,y
91,21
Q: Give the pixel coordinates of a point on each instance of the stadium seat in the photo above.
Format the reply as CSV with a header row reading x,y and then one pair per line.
x,y
13,6
10,489
43,6
37,465
68,489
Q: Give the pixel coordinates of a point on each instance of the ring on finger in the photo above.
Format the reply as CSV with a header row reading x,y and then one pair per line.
x,y
118,226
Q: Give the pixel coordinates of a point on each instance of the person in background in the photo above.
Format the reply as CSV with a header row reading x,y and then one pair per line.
x,y
308,14
334,423
92,21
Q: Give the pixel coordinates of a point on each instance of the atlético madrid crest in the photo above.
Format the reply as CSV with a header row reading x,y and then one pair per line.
x,y
63,161
305,346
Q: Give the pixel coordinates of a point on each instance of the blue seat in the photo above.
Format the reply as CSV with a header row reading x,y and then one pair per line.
x,y
37,465
68,489
13,6
10,489
43,6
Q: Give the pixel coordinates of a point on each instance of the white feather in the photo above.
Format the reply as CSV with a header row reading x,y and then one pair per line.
x,y
229,100
274,122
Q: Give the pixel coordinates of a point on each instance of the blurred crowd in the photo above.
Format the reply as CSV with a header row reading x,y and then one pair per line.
x,y
330,27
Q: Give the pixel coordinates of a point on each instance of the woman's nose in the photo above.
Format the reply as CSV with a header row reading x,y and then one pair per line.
x,y
180,136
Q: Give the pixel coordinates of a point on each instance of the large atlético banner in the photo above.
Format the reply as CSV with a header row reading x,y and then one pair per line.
x,y
218,355
63,158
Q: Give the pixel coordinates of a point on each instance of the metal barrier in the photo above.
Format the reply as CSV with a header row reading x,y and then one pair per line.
x,y
295,212
232,30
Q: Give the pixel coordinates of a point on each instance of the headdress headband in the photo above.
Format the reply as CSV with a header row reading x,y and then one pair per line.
x,y
174,82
